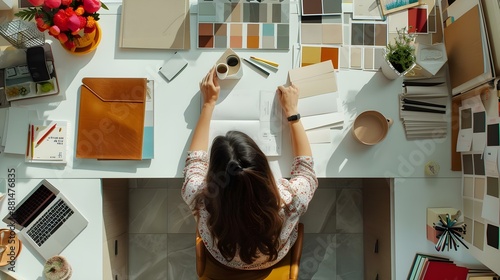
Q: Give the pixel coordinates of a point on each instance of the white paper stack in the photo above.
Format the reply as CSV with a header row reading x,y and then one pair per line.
x,y
319,104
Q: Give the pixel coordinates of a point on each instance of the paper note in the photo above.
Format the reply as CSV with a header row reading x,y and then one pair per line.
x,y
491,161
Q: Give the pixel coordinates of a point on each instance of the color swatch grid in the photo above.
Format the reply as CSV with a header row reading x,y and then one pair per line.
x,y
243,25
321,30
321,7
317,54
369,34
364,43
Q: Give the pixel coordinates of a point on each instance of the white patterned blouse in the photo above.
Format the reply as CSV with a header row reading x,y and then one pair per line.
x,y
296,193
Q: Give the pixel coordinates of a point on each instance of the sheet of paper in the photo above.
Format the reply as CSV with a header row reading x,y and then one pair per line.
x,y
491,209
238,105
3,125
318,136
258,114
464,140
323,120
270,135
491,161
465,133
319,104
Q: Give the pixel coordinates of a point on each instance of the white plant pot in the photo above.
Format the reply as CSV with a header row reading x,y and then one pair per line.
x,y
391,73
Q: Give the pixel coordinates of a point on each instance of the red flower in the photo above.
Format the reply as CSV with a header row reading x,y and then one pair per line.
x,y
52,4
69,44
61,20
66,2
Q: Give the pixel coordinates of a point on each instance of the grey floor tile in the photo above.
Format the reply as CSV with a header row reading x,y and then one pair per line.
x,y
179,218
320,215
319,256
148,256
181,256
349,214
148,210
350,256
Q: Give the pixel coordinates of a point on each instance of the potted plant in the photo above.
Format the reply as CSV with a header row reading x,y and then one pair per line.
x,y
400,56
72,22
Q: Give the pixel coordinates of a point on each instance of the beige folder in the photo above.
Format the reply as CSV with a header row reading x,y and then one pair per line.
x,y
155,24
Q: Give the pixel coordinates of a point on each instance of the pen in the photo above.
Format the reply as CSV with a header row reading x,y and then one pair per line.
x,y
46,134
262,70
498,95
265,61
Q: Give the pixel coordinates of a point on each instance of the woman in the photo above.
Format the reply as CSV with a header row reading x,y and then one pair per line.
x,y
246,219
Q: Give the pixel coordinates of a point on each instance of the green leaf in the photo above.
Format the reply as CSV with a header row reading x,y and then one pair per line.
x,y
104,6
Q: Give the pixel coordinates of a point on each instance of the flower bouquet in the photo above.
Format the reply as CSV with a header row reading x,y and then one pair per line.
x,y
66,20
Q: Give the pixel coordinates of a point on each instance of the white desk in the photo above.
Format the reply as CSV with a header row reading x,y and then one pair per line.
x,y
176,111
177,108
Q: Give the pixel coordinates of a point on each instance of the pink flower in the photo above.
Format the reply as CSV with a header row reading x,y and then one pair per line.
x,y
36,2
51,4
91,6
74,23
61,20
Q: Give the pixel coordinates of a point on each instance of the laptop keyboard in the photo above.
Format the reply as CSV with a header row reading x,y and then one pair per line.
x,y
50,222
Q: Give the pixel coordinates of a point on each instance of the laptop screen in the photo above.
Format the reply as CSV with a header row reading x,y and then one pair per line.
x,y
33,206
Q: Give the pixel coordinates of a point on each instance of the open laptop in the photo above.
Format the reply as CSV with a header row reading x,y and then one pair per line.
x,y
47,220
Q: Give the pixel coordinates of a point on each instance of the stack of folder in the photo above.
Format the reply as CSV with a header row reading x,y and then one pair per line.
x,y
423,108
113,118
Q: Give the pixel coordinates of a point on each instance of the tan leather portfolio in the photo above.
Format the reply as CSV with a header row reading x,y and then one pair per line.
x,y
111,118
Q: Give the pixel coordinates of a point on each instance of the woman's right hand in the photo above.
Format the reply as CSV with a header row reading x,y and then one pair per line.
x,y
210,87
289,99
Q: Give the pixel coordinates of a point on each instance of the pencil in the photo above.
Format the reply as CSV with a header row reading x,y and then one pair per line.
x,y
32,141
262,70
28,142
46,134
265,61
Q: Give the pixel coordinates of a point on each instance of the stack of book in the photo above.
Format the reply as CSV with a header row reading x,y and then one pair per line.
x,y
423,108
427,267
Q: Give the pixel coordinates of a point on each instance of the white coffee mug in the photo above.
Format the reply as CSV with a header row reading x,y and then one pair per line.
x,y
222,69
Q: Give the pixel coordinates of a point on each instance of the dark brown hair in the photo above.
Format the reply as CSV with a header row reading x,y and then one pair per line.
x,y
242,198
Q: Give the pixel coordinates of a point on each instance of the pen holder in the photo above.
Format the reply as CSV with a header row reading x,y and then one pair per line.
x,y
233,61
433,217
